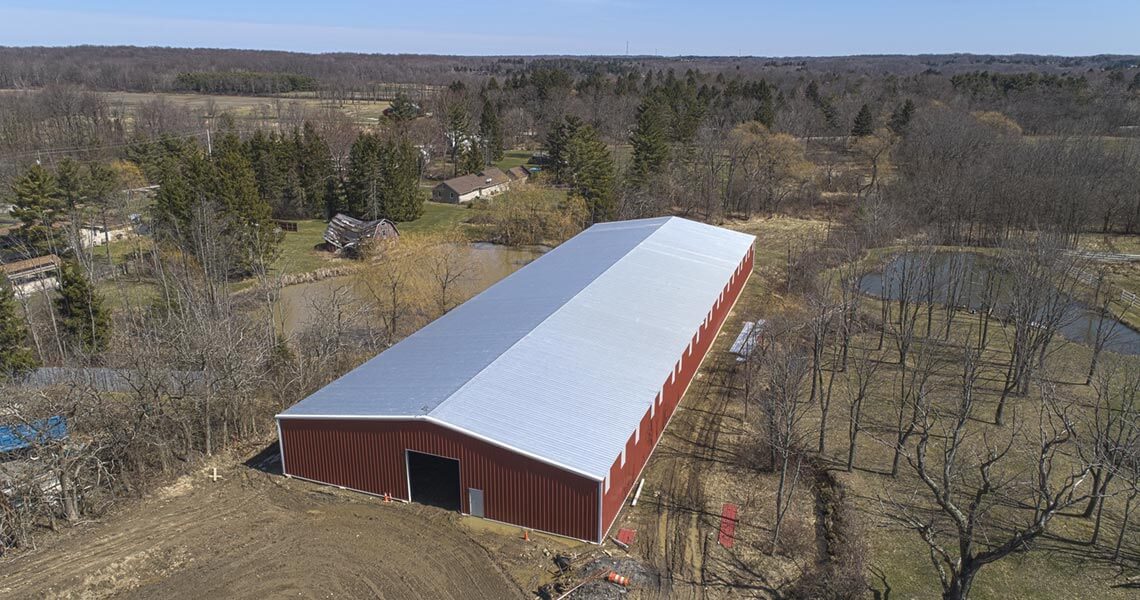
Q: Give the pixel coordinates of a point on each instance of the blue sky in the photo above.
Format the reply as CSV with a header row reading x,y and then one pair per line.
x,y
711,27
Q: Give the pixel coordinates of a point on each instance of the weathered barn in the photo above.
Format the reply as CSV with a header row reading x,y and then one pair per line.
x,y
539,401
347,233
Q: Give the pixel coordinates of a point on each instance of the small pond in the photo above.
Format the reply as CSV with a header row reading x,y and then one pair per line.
x,y
1080,325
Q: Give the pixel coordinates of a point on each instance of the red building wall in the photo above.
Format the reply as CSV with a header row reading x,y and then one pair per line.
x,y
641,443
368,456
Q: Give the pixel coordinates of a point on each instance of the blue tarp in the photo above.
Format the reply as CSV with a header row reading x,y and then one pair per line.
x,y
15,437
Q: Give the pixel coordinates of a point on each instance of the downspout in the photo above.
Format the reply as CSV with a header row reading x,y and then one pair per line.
x,y
601,517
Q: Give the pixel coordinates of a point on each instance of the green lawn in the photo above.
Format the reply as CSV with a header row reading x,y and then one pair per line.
x,y
514,158
436,217
299,253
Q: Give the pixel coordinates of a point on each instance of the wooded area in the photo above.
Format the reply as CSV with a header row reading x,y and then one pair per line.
x,y
970,186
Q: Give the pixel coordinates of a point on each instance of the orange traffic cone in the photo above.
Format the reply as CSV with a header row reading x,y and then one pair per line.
x,y
387,498
526,535
618,579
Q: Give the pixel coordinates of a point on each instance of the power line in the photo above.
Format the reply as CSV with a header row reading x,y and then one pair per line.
x,y
78,149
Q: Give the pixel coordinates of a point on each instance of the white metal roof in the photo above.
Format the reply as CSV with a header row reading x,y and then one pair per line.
x,y
560,360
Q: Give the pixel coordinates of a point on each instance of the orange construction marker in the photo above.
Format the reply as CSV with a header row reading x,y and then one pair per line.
x,y
618,579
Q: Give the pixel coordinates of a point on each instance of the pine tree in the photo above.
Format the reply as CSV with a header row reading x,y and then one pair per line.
x,y
557,141
900,118
400,182
265,158
103,183
38,204
72,182
362,186
314,170
235,182
491,132
581,159
82,313
457,126
402,109
180,189
334,198
650,141
471,159
15,356
864,122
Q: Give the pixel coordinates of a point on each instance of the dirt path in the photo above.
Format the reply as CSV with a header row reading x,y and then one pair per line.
x,y
702,463
252,535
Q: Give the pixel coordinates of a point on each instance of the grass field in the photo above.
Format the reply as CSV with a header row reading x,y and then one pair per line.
x,y
251,107
1061,564
514,158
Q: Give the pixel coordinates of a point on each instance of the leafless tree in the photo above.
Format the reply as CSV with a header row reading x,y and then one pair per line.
x,y
1106,325
1043,279
965,474
784,409
863,372
1114,431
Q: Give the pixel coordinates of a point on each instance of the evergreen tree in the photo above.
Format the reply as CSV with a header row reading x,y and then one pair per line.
x,y
362,186
82,313
766,109
180,178
103,183
400,182
235,182
222,188
581,159
72,182
491,132
900,118
864,122
38,205
15,356
471,160
314,170
650,140
557,142
402,109
457,127
269,169
334,198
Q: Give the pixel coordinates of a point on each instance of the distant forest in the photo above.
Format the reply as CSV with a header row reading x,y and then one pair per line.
x,y
128,68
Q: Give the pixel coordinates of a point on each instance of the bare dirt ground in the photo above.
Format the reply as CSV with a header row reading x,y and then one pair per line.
x,y
256,535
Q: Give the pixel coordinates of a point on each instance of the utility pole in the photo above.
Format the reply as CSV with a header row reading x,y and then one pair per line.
x,y
209,142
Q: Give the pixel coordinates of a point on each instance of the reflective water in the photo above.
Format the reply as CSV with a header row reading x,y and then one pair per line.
x,y
1079,325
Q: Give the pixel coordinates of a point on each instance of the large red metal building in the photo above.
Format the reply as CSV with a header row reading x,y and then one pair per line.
x,y
539,401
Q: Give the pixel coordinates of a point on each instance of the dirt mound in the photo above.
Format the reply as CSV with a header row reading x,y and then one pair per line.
x,y
254,535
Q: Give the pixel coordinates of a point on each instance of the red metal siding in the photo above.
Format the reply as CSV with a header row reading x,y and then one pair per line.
x,y
369,456
642,442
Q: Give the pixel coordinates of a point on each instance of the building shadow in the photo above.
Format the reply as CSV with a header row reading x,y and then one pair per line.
x,y
268,460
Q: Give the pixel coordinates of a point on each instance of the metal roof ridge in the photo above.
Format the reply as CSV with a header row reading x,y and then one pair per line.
x,y
638,223
656,230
